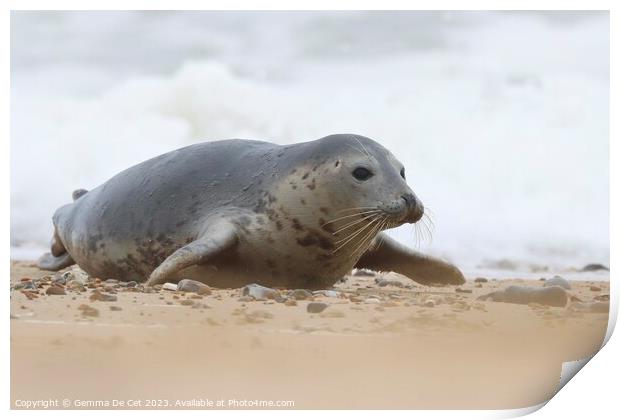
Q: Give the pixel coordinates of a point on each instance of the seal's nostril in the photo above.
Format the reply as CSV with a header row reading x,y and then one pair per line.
x,y
409,199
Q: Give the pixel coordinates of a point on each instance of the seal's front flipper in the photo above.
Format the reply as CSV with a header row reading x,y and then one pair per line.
x,y
54,263
387,254
216,240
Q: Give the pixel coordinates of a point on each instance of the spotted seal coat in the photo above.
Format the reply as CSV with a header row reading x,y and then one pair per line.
x,y
234,212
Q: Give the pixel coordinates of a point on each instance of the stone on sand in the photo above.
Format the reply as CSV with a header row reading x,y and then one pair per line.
x,y
259,292
557,281
103,297
316,307
524,295
193,286
76,286
88,310
326,293
301,294
75,274
384,283
55,290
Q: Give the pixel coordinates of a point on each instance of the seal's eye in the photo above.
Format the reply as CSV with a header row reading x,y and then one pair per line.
x,y
402,173
362,174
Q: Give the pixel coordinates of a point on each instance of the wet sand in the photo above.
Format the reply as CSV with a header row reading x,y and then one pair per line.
x,y
399,346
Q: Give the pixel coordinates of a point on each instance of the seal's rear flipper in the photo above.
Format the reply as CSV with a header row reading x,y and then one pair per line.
x,y
217,239
56,245
52,263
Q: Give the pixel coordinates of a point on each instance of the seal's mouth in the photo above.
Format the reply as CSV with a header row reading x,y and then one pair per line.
x,y
406,209
355,227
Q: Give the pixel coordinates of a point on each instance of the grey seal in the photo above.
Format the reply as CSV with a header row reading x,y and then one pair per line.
x,y
232,212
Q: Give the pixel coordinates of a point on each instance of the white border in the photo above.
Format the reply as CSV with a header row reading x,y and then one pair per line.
x,y
592,394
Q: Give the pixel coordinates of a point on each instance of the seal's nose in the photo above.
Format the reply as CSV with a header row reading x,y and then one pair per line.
x,y
415,207
409,199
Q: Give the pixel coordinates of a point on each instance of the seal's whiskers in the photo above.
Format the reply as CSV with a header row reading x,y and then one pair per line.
x,y
370,235
351,224
349,216
349,238
357,208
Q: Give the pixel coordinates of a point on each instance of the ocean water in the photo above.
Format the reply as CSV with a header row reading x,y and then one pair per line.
x,y
501,118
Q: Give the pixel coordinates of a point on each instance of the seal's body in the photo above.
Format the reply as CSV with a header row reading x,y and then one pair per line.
x,y
234,212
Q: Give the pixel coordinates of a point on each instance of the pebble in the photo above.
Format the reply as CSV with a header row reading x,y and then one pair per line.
x,y
301,294
557,281
75,286
193,286
75,274
429,303
26,285
551,295
326,293
169,286
480,280
187,302
55,290
31,285
30,294
595,289
88,310
459,290
384,283
116,308
97,295
259,292
372,300
58,279
290,302
316,307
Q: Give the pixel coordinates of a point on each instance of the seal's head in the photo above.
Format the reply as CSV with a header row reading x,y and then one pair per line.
x,y
370,181
339,193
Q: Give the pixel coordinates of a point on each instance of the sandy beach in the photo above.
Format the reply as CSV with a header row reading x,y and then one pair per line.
x,y
383,342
